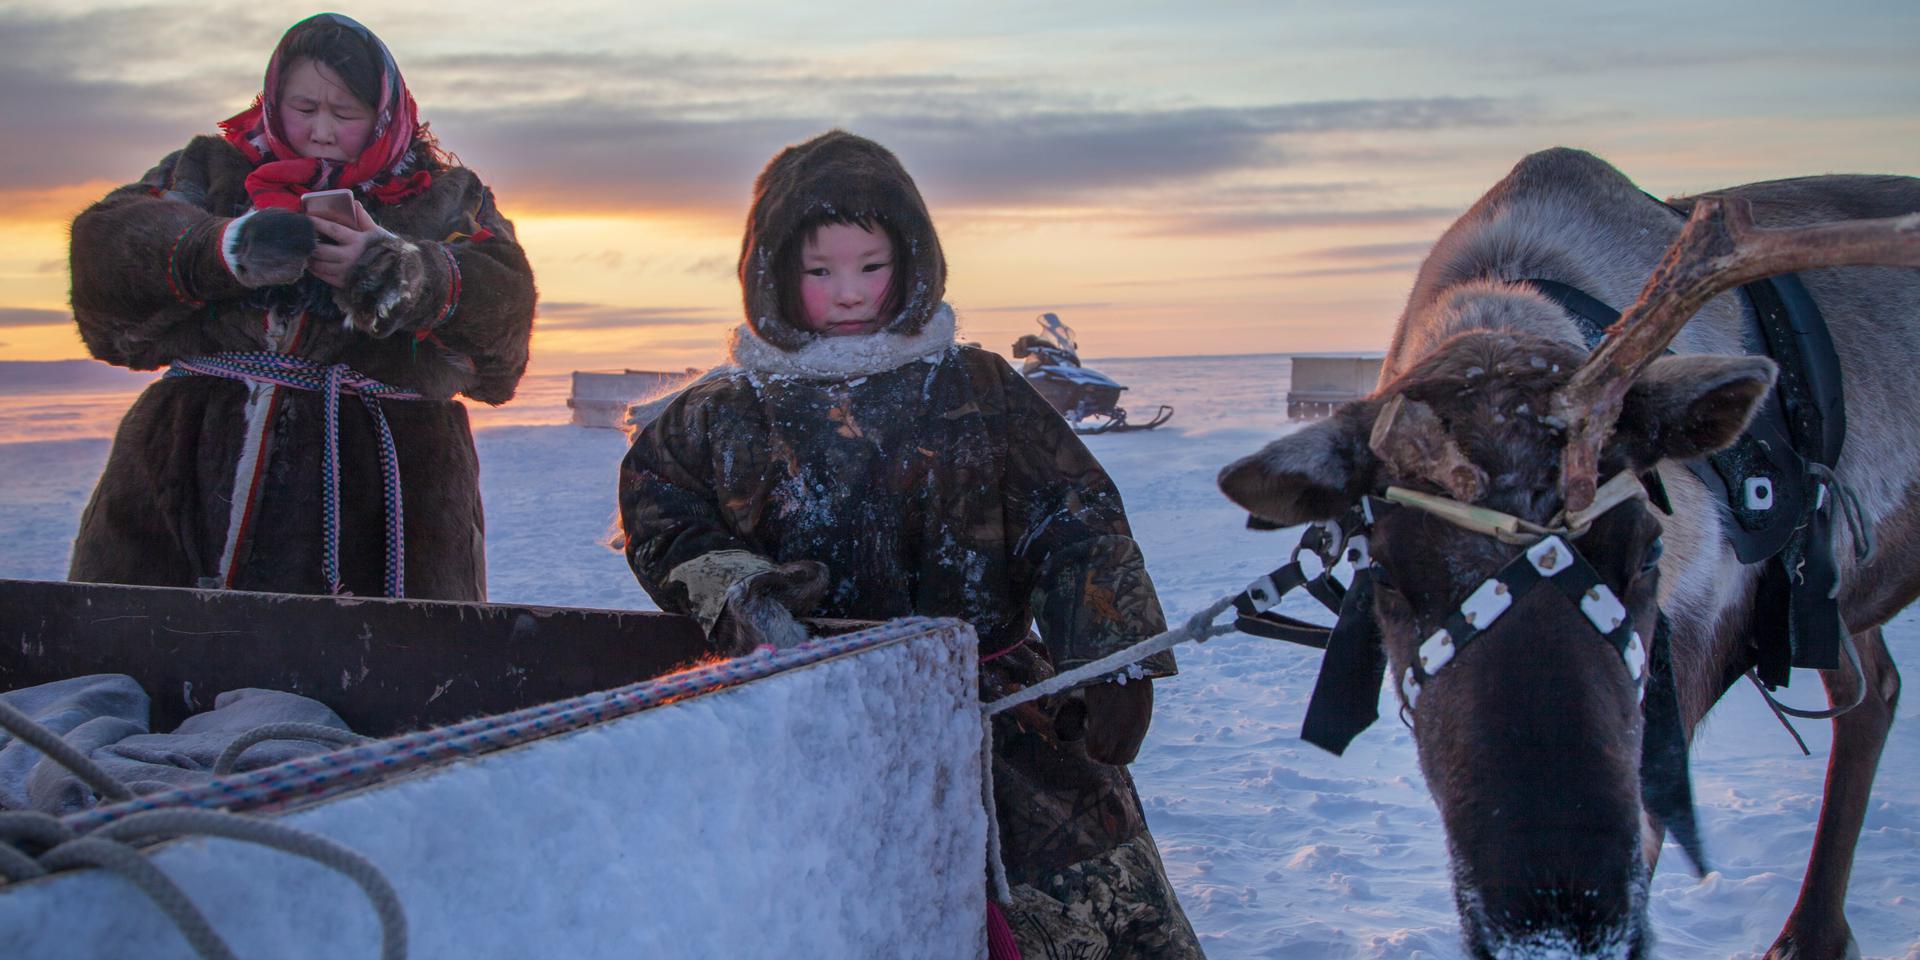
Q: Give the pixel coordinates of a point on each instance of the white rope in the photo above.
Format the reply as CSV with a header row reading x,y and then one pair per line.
x,y
996,867
232,826
331,736
33,827
1198,628
31,733
148,879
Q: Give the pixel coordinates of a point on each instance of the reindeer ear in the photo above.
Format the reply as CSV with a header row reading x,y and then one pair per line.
x,y
1688,406
1314,473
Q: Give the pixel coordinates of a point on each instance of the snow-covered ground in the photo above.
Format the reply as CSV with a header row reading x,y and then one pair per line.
x,y
1277,850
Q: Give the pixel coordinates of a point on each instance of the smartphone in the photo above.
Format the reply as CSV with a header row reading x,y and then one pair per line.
x,y
335,205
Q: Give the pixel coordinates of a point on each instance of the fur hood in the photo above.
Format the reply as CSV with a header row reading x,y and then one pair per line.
x,y
843,173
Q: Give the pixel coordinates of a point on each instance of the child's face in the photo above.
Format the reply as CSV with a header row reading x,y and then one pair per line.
x,y
320,116
844,273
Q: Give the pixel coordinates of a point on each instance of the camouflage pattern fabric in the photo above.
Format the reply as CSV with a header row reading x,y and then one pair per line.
x,y
942,487
1117,906
1057,806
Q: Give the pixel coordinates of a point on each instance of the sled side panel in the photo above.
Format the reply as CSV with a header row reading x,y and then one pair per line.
x,y
829,810
383,665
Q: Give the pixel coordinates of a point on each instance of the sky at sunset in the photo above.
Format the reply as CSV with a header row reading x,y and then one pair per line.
x,y
1172,178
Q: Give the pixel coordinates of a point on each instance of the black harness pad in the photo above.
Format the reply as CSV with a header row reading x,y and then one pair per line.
x,y
1764,481
1766,452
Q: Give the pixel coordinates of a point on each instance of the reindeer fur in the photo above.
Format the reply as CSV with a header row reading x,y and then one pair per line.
x,y
1565,215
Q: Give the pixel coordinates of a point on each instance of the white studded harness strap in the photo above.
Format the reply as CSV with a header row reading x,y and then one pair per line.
x,y
1344,696
1548,558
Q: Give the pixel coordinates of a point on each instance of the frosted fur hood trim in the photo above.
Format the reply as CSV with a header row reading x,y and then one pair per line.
x,y
843,358
837,174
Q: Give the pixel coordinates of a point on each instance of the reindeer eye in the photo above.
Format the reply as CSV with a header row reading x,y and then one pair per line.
x,y
1654,552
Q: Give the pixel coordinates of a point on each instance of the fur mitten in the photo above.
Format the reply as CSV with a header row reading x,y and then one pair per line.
x,y
386,288
760,609
1113,717
267,247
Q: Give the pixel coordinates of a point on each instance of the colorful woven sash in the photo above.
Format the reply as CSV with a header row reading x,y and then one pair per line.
x,y
330,381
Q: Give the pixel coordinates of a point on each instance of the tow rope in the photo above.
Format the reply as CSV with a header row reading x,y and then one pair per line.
x,y
1197,628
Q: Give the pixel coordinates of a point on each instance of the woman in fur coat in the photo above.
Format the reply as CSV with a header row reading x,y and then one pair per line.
x,y
305,438
855,462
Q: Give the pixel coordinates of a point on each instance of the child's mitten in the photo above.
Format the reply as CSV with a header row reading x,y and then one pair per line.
x,y
760,609
1113,717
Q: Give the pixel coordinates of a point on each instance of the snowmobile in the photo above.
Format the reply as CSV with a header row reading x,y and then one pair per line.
x,y
1087,398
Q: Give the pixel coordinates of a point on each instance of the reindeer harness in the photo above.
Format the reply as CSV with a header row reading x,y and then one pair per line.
x,y
1346,692
1780,492
1777,480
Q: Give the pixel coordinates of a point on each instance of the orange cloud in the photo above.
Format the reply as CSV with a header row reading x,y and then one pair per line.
x,y
52,204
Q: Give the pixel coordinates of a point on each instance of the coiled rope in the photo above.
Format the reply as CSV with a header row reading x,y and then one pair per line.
x,y
331,736
110,845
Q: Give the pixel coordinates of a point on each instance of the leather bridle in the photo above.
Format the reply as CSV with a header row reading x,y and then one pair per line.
x,y
1347,689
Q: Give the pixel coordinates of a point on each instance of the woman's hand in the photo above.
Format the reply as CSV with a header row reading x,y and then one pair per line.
x,y
342,246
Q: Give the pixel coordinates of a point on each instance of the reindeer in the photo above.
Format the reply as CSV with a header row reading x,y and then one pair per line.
x,y
1492,430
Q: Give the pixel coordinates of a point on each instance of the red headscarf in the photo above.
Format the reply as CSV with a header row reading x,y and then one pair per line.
x,y
281,174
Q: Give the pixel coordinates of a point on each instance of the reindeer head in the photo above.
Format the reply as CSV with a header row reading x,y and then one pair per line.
x,y
1530,737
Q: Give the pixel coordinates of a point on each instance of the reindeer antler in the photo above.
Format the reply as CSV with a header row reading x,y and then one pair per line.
x,y
1717,250
1410,436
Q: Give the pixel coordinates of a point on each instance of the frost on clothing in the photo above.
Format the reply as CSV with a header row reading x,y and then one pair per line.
x,y
150,286
942,487
930,479
839,175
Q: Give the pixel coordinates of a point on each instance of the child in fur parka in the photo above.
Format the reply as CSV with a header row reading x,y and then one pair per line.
x,y
305,438
853,461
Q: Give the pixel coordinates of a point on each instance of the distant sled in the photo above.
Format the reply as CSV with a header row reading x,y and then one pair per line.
x,y
601,398
1321,382
1087,398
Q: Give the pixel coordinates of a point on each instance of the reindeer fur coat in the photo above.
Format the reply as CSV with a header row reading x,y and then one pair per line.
x,y
217,483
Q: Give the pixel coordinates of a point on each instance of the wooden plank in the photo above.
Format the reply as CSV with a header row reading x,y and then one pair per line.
x,y
385,666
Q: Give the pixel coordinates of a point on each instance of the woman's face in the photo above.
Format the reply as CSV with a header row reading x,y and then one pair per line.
x,y
320,116
844,273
